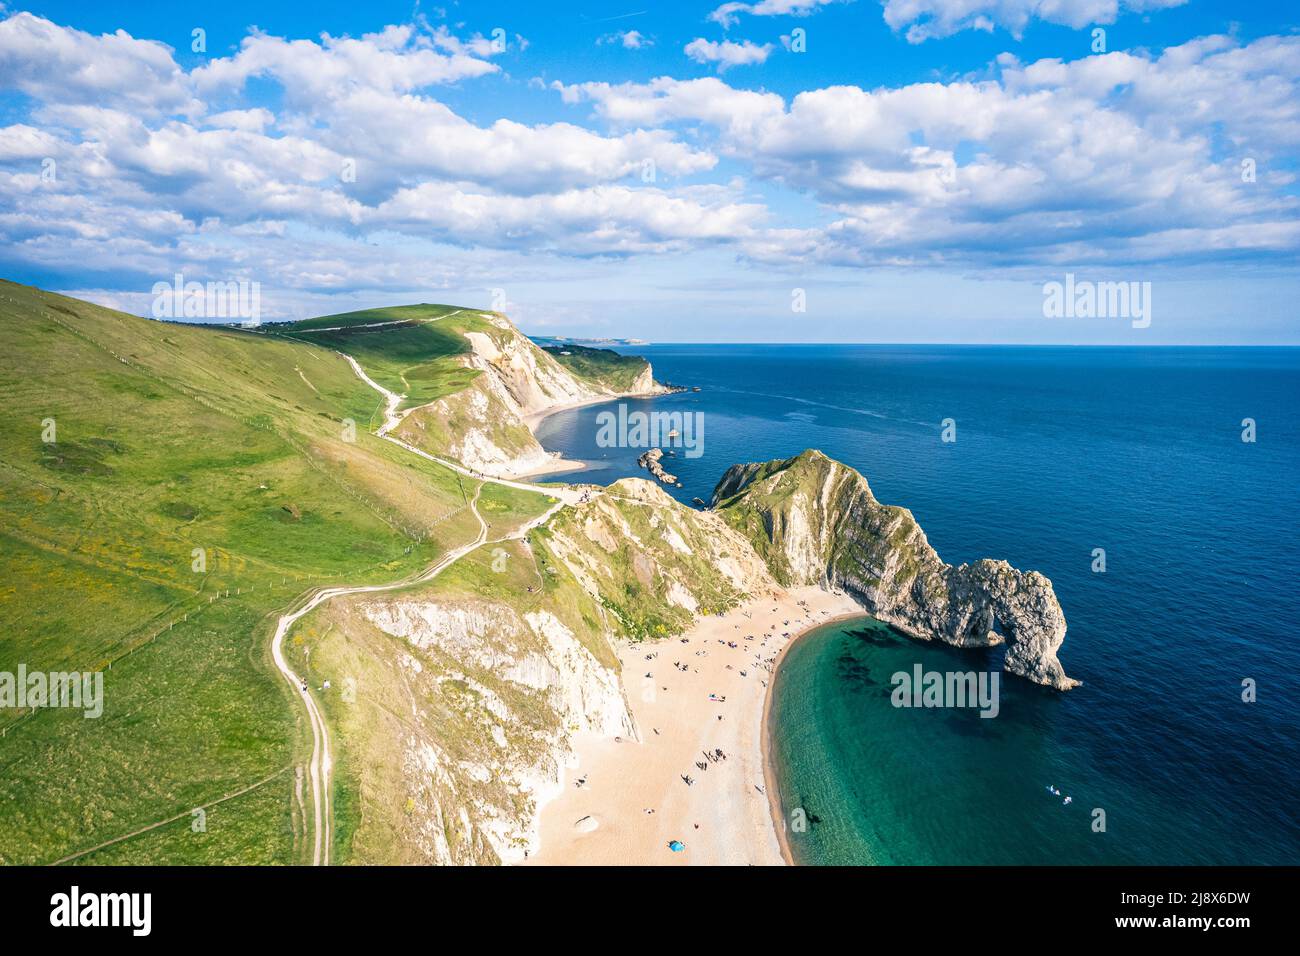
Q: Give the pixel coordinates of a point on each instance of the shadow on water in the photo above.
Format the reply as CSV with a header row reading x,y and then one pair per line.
x,y
853,672
875,633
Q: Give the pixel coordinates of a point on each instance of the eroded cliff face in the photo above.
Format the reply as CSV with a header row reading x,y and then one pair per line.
x,y
477,428
815,521
459,703
525,685
524,377
468,691
645,383
484,425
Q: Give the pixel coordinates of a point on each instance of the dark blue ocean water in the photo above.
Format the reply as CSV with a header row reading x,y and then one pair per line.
x,y
1059,451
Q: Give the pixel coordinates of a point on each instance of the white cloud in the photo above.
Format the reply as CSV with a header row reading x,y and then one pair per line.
x,y
727,54
729,13
629,40
1103,158
136,184
250,121
396,60
604,220
1127,157
411,136
23,142
929,19
50,62
665,100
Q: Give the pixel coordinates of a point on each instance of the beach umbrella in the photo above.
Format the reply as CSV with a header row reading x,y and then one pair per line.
x,y
676,846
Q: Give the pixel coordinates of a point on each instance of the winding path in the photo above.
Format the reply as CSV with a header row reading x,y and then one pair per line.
x,y
321,760
375,325
392,419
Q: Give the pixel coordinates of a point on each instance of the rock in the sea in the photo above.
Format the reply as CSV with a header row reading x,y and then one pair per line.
x,y
815,521
650,461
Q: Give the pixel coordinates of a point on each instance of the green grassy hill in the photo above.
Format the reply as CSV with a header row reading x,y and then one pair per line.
x,y
168,490
464,406
197,482
408,349
602,367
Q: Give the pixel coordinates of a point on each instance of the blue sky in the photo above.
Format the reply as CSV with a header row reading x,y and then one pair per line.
x,y
920,169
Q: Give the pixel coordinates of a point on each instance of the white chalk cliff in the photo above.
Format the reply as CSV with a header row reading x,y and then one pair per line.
x,y
817,522
485,426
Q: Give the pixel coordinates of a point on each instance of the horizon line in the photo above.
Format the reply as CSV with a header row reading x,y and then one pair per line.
x,y
1025,345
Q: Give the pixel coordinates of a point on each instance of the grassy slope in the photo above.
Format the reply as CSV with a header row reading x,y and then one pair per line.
x,y
382,316
233,444
506,509
436,428
416,351
631,552
879,534
601,367
172,438
417,358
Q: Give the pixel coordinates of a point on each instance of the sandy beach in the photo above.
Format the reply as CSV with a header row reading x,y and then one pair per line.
x,y
557,463
535,419
625,801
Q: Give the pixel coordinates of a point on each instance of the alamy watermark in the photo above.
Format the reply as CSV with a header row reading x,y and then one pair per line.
x,y
1083,299
232,299
74,908
922,688
624,429
76,690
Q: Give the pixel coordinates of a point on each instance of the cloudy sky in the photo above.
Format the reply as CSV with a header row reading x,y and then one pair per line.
x,y
919,168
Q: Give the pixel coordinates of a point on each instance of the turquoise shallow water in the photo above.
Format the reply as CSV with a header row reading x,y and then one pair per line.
x,y
1059,451
888,785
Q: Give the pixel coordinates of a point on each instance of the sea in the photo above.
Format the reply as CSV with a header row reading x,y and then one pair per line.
x,y
1156,487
